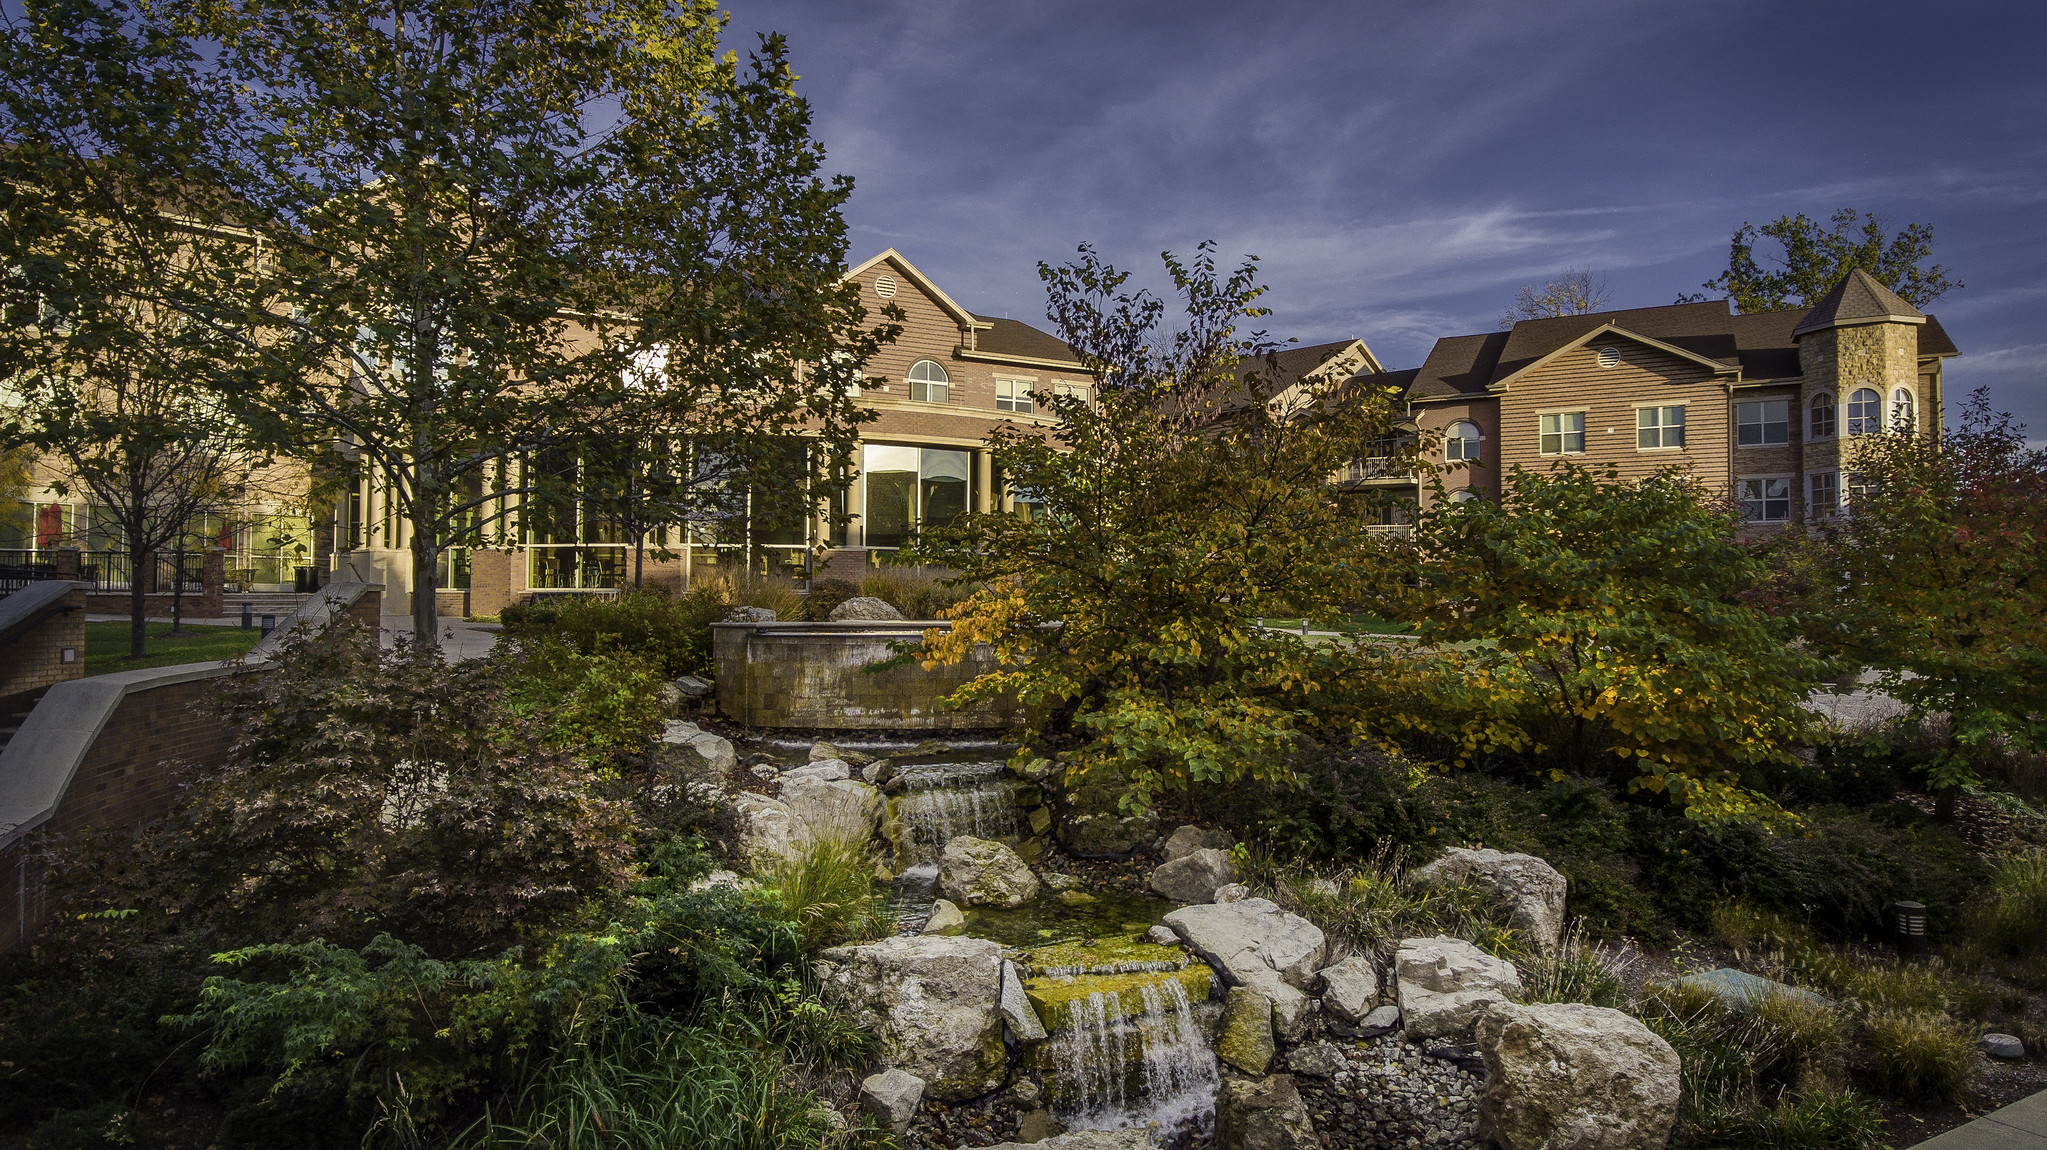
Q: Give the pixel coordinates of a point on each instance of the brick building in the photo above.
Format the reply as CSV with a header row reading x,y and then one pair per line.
x,y
1762,408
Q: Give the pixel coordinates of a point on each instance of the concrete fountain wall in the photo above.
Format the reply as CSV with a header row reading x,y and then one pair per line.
x,y
816,676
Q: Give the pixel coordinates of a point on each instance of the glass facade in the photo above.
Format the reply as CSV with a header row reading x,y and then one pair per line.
x,y
912,487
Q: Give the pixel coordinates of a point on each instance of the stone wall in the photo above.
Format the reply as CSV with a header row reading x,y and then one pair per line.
x,y
814,676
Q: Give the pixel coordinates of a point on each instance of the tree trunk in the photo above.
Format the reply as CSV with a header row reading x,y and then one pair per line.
x,y
138,605
1944,804
426,569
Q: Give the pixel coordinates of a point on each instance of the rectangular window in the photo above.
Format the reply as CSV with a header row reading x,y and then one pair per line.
x,y
1659,427
1564,433
1823,498
1860,488
1077,391
1762,423
1013,395
1766,500
912,487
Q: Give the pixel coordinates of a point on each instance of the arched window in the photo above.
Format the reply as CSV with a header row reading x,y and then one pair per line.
x,y
1903,420
1463,495
929,383
1819,416
1463,443
1865,412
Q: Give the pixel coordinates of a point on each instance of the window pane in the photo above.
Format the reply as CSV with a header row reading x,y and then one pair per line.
x,y
891,507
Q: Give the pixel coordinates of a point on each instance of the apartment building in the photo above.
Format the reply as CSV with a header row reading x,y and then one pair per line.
x,y
1762,408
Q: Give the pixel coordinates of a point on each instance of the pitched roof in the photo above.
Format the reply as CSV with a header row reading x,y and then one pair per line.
x,y
1858,298
945,302
1012,338
1763,345
1289,365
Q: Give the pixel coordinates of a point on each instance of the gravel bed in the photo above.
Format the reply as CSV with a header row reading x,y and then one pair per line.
x,y
1394,1094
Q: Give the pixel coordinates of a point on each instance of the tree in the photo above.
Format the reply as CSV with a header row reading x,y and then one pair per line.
x,y
469,226
1172,512
1573,292
1590,623
1813,259
1943,554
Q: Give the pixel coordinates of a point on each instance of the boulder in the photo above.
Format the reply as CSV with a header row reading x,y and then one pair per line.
x,y
934,1001
1246,1041
827,771
764,772
878,772
1016,1009
1083,1140
892,1097
1531,889
691,752
861,607
983,872
1108,835
1738,989
1566,1076
944,916
1231,892
1194,876
1446,983
1349,989
824,752
2001,1045
1253,942
1384,1020
768,829
1317,1060
671,699
833,810
1256,944
1262,1114
1162,935
750,615
1190,838
694,687
1038,1125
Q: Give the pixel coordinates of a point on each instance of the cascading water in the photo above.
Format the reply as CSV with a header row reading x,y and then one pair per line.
x,y
943,800
1146,1068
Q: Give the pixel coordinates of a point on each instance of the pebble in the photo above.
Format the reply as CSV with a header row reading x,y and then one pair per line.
x,y
1393,1094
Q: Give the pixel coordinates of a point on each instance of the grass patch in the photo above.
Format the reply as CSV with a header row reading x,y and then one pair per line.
x,y
1373,906
106,646
1578,971
1920,1054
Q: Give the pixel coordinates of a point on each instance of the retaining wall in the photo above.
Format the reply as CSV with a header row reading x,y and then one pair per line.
x,y
42,638
814,675
109,751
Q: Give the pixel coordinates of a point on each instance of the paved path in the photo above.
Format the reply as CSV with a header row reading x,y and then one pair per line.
x,y
2020,1126
459,640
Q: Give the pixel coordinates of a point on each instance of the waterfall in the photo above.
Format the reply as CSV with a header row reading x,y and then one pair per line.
x,y
947,799
1152,1068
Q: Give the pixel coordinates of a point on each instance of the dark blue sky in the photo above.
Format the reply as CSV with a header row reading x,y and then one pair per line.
x,y
1401,168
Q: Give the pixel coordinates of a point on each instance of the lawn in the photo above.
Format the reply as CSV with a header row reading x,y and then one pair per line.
x,y
106,646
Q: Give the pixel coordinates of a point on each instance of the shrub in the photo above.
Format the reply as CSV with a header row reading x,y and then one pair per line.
x,y
1920,1055
1821,1120
915,592
1373,906
1733,1054
825,594
1881,980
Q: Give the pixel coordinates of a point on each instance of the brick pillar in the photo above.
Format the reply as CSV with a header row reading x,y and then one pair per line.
x,y
490,581
212,602
70,563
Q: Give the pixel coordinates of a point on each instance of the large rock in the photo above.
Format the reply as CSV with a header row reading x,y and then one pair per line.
x,y
1194,876
1256,944
1531,889
1262,1114
1317,1060
1566,1076
864,607
1190,838
983,872
833,810
944,916
1246,1040
892,1097
691,752
1350,989
935,1003
829,770
1446,983
750,615
821,752
768,829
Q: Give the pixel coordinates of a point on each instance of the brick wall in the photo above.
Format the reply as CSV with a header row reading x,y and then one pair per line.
x,y
34,659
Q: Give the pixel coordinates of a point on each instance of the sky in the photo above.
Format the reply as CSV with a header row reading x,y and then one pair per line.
x,y
1400,169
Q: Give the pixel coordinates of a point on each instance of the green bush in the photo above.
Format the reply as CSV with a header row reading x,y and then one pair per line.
x,y
106,1126
1920,1055
670,631
827,894
1822,1120
2011,919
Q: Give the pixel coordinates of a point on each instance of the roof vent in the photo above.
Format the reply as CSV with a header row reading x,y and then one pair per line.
x,y
885,286
1609,356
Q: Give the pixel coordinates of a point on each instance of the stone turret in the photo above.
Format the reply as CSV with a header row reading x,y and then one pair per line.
x,y
1861,338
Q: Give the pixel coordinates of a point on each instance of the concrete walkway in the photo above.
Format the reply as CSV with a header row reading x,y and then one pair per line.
x,y
460,640
2020,1126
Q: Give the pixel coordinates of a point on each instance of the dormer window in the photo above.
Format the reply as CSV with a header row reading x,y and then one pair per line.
x,y
929,383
